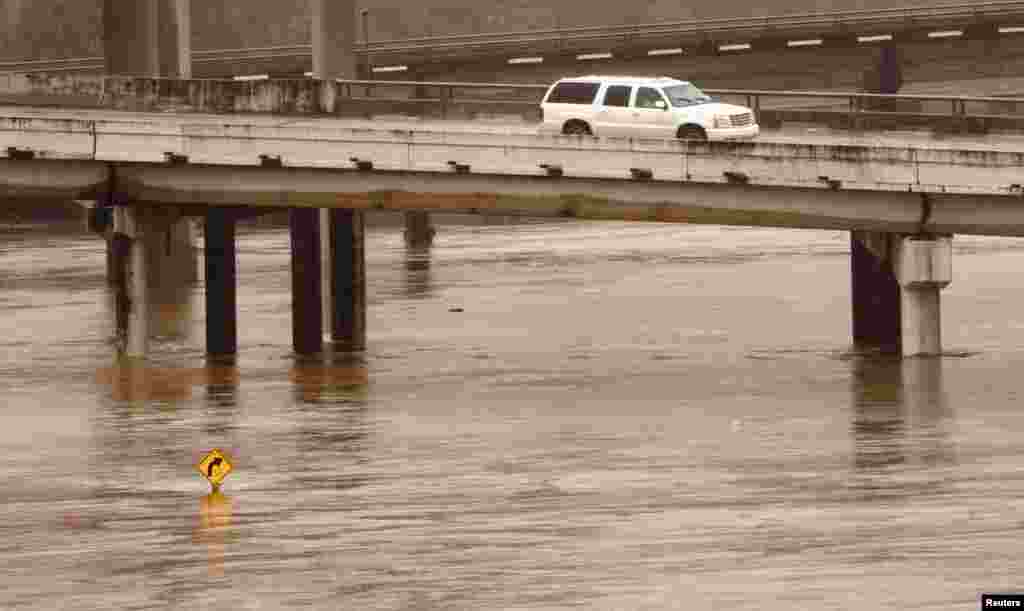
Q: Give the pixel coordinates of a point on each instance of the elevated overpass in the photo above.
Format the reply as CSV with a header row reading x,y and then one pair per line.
x,y
812,50
180,160
901,202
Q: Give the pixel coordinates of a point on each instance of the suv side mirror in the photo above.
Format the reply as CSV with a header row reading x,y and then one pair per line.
x,y
660,104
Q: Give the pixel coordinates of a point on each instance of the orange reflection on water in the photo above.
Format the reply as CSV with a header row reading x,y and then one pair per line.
x,y
313,379
215,511
142,382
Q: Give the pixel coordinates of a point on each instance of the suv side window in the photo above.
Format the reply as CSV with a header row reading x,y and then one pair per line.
x,y
617,95
646,97
573,93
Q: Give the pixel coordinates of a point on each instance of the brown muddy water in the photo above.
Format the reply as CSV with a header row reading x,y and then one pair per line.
x,y
621,416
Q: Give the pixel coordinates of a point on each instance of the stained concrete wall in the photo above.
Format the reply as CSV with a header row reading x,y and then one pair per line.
x,y
49,29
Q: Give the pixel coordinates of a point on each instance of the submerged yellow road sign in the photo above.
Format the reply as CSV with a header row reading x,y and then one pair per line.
x,y
215,466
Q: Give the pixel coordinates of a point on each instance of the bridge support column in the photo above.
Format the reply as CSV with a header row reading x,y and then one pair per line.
x,y
875,292
112,262
172,250
130,232
221,286
148,37
334,32
925,268
419,233
171,260
348,279
307,317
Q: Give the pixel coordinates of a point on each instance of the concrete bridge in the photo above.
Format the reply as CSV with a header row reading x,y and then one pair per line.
x,y
148,174
879,49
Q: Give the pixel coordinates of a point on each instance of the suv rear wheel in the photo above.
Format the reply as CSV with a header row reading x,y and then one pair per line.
x,y
576,128
692,132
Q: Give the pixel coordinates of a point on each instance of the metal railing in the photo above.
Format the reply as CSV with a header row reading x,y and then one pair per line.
x,y
443,97
455,98
584,38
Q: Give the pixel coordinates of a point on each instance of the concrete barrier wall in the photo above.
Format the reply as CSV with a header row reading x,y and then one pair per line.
x,y
311,97
935,169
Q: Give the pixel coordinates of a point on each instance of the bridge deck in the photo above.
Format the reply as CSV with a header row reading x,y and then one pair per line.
x,y
781,180
510,125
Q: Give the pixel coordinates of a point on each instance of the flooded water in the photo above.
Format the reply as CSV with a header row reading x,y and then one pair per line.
x,y
549,416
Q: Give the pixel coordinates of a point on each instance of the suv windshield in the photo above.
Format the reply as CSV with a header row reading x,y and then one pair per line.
x,y
686,95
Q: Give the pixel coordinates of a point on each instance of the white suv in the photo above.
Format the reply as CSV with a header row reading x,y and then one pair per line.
x,y
654,107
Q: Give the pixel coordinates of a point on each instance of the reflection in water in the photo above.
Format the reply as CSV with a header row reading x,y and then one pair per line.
x,y
929,412
900,417
417,271
879,420
136,432
214,529
139,427
221,398
331,400
132,381
341,380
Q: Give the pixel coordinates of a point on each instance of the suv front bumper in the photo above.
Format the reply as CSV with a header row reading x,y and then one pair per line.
x,y
734,133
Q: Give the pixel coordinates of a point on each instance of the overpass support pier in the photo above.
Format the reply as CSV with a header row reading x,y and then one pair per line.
x,y
346,286
924,268
895,285
221,286
307,315
151,256
874,290
328,279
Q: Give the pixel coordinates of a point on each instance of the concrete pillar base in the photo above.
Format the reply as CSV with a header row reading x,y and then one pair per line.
x,y
924,269
922,333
